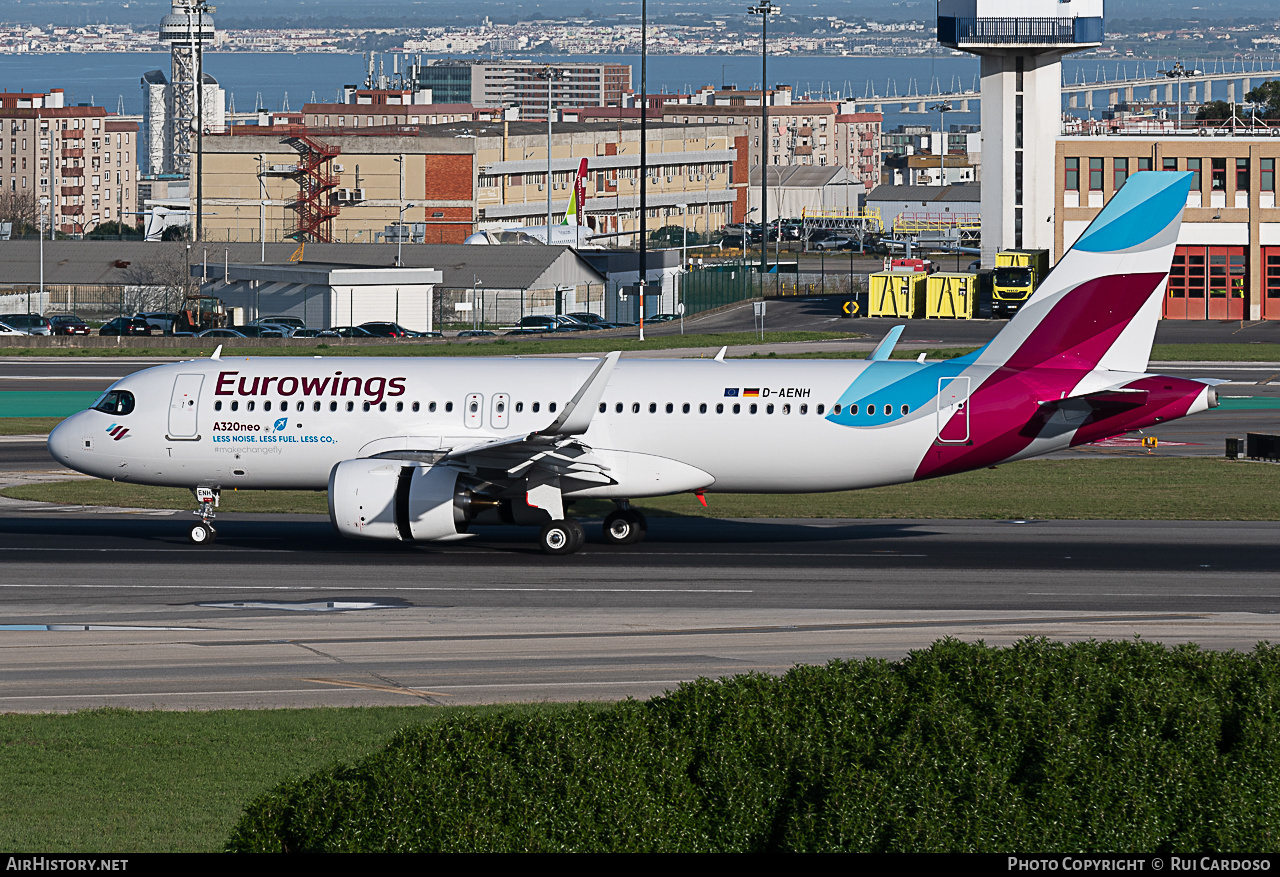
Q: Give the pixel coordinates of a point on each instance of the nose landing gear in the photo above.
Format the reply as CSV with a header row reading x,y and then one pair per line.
x,y
202,532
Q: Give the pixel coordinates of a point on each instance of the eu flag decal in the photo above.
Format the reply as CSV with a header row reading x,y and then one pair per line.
x,y
730,391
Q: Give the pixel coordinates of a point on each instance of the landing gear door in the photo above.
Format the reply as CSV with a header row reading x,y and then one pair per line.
x,y
184,408
953,410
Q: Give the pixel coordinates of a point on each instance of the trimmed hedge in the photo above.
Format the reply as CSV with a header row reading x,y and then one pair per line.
x,y
1041,746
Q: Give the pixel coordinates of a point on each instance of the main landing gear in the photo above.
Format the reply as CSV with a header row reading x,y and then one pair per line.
x,y
202,532
626,526
562,537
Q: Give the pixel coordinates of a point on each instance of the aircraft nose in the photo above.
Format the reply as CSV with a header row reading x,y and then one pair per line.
x,y
62,441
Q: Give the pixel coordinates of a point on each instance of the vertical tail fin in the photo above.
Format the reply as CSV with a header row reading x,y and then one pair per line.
x,y
1099,306
573,215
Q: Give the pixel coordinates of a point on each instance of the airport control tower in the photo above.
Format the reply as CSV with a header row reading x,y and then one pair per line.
x,y
188,28
1021,43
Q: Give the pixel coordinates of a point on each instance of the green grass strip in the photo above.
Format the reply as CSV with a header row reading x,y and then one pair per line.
x,y
1146,487
28,425
123,781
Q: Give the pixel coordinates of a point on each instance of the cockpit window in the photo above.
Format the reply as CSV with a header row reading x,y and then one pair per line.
x,y
118,402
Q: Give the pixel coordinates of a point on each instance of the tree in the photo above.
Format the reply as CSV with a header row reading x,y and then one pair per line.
x,y
1214,111
1267,97
160,283
116,230
22,209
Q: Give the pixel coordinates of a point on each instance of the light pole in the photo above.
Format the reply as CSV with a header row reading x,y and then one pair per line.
x,y
199,10
400,232
942,110
764,10
551,76
44,202
262,204
643,267
475,282
684,248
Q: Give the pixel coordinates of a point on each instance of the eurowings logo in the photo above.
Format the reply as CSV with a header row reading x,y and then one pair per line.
x,y
117,432
281,423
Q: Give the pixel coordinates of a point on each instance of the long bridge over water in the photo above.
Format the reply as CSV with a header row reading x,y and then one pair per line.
x,y
1232,78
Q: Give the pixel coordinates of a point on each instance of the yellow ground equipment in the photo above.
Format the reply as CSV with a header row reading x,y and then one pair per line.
x,y
1017,274
951,296
897,294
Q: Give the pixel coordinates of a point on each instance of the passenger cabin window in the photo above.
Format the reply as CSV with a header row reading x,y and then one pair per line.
x,y
119,402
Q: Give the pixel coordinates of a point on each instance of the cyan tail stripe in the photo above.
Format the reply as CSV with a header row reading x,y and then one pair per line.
x,y
1139,211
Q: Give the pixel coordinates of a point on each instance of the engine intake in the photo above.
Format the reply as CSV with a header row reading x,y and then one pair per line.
x,y
404,501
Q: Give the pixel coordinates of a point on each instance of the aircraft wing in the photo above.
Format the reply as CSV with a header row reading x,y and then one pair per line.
x,y
522,457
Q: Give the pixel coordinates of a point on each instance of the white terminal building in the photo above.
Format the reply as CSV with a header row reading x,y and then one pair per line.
x,y
1021,44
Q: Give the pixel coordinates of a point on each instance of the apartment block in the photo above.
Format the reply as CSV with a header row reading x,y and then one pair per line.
x,y
458,178
80,159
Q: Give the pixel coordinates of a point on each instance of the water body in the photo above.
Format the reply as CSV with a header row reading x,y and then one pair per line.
x,y
113,80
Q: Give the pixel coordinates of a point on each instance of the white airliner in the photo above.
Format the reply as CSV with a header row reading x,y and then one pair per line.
x,y
569,233
420,449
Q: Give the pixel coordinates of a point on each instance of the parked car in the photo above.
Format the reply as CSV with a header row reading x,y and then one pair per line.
x,y
284,330
68,324
385,330
161,321
833,243
661,318
126,326
292,322
28,324
587,317
346,332
6,329
262,331
476,333
221,333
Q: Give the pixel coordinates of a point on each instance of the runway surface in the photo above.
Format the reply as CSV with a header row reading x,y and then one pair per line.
x,y
106,607
102,607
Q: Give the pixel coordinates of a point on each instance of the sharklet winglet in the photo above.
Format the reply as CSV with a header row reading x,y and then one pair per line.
x,y
886,345
217,353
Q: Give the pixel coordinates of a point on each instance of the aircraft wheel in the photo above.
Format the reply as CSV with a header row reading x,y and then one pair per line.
x,y
202,533
624,527
562,537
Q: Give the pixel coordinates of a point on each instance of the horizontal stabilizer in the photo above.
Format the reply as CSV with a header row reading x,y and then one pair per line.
x,y
1110,398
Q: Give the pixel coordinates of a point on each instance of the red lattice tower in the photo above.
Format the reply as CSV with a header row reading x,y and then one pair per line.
x,y
316,180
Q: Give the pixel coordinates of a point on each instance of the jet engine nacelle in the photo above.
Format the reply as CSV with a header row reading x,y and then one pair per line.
x,y
401,500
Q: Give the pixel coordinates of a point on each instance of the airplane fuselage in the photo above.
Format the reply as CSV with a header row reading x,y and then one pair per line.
x,y
660,427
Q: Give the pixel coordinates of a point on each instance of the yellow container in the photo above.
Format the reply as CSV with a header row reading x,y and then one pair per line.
x,y
951,296
896,294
